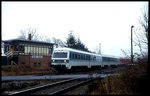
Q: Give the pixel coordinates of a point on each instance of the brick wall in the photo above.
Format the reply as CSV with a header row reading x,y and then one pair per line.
x,y
29,60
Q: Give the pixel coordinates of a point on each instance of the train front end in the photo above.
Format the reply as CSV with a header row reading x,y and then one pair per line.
x,y
60,59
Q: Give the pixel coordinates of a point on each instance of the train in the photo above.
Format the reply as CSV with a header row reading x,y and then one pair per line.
x,y
67,58
124,60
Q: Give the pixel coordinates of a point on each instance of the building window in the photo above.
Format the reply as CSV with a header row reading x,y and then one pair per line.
x,y
6,48
21,48
39,64
23,63
35,65
50,51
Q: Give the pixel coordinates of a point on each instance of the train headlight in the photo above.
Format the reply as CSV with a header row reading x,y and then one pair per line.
x,y
65,61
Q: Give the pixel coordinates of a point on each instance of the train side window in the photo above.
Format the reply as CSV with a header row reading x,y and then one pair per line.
x,y
70,56
94,58
81,57
105,59
78,56
86,57
75,56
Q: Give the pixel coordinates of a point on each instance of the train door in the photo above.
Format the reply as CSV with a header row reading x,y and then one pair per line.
x,y
89,61
102,62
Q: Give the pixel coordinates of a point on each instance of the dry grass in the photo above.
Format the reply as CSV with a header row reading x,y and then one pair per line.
x,y
132,81
23,70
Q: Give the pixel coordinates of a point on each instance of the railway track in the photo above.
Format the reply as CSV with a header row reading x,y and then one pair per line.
x,y
53,88
60,87
88,71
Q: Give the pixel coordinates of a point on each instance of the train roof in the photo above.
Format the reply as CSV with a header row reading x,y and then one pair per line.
x,y
84,52
75,50
104,55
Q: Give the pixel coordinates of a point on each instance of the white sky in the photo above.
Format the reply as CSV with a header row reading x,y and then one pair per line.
x,y
108,23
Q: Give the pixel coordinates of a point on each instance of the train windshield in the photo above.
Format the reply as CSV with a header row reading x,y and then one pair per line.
x,y
60,55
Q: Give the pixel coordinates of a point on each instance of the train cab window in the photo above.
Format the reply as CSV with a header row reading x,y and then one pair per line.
x,y
60,55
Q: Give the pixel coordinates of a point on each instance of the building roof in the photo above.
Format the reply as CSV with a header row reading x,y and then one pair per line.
x,y
27,41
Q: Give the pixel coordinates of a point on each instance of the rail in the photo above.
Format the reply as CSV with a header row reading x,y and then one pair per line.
x,y
39,87
57,88
64,90
61,90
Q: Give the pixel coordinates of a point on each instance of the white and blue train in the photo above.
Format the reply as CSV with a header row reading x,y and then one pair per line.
x,y
68,58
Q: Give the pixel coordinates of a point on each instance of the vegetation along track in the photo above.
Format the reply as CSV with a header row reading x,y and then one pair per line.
x,y
53,88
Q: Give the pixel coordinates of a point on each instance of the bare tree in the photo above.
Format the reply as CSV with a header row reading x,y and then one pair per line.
x,y
58,42
44,38
141,35
22,35
126,53
25,32
141,32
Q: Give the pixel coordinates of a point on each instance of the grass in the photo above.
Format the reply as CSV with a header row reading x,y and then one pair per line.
x,y
132,81
24,70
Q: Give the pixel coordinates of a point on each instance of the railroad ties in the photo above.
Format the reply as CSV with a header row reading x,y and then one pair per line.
x,y
53,88
61,87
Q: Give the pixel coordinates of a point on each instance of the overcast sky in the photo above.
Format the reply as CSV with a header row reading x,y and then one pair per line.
x,y
108,23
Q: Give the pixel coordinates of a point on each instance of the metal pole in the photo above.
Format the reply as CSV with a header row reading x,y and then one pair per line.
x,y
99,48
131,46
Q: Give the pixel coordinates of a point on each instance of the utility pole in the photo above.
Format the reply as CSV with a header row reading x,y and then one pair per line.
x,y
131,46
99,48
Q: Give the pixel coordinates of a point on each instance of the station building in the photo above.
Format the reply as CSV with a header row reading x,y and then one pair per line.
x,y
36,54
